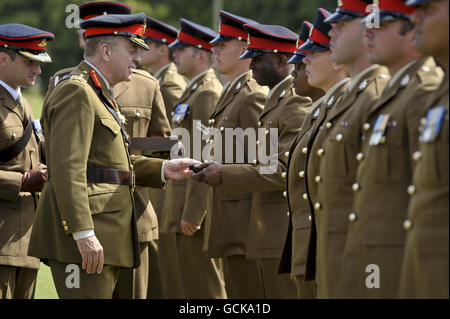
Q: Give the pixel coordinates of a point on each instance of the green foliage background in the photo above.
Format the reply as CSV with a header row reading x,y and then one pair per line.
x,y
50,15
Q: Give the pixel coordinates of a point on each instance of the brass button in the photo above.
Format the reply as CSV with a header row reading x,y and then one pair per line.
x,y
213,121
305,196
259,124
310,218
257,142
172,113
339,137
222,128
288,214
411,190
352,217
267,132
329,125
33,150
286,154
305,150
284,194
208,141
64,223
209,122
407,224
321,152
283,175
255,162
66,228
317,206
138,115
366,126
318,179
423,121
131,167
356,187
360,157
301,174
383,140
14,135
417,156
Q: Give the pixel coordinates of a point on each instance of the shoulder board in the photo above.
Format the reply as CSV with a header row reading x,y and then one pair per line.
x,y
255,87
144,74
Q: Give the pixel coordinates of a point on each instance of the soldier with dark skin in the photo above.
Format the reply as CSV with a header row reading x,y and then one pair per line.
x,y
424,272
22,175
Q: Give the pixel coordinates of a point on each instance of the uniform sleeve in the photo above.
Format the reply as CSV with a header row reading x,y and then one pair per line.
x,y
10,184
159,124
70,121
244,178
197,193
171,93
148,171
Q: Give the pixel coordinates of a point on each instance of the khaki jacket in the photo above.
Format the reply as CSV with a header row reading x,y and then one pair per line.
x,y
380,200
141,102
188,199
284,111
331,170
424,272
295,249
239,107
81,133
16,208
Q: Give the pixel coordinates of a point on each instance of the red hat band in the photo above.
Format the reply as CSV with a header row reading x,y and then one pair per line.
x,y
395,6
353,5
155,34
266,44
230,31
137,29
38,44
318,37
189,39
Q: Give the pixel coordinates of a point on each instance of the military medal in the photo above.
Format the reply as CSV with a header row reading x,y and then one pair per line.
x,y
180,113
435,118
378,131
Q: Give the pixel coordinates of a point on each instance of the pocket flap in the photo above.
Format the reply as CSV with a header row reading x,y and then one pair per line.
x,y
111,124
105,202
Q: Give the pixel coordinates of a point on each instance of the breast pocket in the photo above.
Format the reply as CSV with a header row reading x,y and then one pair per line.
x,y
138,120
340,153
109,142
105,203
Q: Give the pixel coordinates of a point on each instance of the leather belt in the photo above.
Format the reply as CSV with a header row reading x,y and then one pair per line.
x,y
110,176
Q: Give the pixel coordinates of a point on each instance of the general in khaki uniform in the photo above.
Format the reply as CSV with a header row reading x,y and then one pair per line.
x,y
293,259
141,102
92,175
331,165
186,269
21,171
380,201
424,272
239,107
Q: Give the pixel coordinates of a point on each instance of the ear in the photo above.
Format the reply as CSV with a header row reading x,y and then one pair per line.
x,y
3,59
282,60
163,50
411,35
105,52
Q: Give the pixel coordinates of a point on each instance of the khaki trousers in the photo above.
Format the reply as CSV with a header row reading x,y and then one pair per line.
x,y
275,286
242,278
17,282
305,289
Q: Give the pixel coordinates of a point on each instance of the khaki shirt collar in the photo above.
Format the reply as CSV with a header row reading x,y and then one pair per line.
x,y
271,92
14,94
198,76
400,73
160,71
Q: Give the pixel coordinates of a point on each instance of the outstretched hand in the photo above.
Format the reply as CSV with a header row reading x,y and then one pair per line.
x,y
210,174
178,169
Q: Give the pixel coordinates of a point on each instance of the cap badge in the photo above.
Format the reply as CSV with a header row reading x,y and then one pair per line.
x,y
376,3
144,28
298,43
248,40
339,3
311,31
43,43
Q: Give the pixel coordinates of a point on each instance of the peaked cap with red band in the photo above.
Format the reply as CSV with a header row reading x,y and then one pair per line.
x,y
25,40
319,40
350,9
263,38
299,55
232,27
91,10
389,10
128,25
193,34
160,32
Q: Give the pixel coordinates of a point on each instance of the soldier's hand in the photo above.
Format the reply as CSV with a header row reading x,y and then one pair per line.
x,y
211,174
178,169
188,228
33,181
92,253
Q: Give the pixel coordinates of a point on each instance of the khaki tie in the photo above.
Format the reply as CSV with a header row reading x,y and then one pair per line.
x,y
20,101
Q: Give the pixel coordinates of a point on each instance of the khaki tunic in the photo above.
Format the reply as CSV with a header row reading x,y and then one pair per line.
x,y
293,258
331,171
380,201
424,272
81,133
141,103
16,208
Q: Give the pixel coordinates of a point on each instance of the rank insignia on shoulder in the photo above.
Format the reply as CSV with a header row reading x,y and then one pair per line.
x,y
238,86
435,118
180,113
94,77
379,130
317,112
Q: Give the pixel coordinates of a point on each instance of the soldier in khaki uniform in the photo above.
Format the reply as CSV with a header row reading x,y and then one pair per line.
x,y
186,203
261,233
22,175
424,272
331,165
239,107
323,73
390,137
158,60
85,218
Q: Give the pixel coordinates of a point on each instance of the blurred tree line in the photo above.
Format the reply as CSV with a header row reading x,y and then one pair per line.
x,y
51,15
